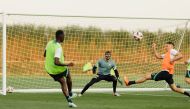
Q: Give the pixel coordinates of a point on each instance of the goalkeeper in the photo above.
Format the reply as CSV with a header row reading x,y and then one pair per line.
x,y
104,65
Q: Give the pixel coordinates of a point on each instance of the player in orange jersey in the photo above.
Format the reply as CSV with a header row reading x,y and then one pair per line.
x,y
171,55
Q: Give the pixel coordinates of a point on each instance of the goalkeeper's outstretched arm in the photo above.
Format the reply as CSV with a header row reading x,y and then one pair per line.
x,y
94,69
117,76
116,73
45,53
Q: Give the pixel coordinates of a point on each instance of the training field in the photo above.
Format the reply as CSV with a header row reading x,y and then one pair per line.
x,y
128,100
27,35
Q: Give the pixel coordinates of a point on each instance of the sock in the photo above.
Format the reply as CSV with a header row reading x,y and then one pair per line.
x,y
131,82
187,93
70,94
68,99
114,86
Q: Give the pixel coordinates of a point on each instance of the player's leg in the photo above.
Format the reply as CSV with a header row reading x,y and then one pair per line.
x,y
169,79
93,80
62,81
111,78
64,88
179,90
114,85
65,91
187,77
69,84
138,81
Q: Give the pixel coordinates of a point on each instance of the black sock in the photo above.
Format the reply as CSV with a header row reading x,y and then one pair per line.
x,y
68,99
70,94
131,82
114,86
187,93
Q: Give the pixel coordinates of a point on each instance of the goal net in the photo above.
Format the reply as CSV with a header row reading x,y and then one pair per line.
x,y
87,38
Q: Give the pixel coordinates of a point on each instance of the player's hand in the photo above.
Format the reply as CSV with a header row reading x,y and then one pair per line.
x,y
171,62
185,62
120,81
154,45
70,64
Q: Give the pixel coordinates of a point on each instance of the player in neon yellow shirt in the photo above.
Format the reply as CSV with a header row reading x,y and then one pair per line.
x,y
56,67
187,77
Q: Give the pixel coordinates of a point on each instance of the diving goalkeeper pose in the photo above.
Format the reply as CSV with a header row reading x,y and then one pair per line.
x,y
57,68
104,65
169,58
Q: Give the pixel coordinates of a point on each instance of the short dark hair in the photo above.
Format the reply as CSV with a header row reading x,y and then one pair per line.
x,y
171,43
58,33
108,52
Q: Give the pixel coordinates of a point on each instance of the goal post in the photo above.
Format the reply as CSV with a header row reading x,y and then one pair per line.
x,y
24,37
4,46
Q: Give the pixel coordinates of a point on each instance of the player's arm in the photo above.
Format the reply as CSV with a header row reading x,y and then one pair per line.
x,y
114,67
117,74
58,63
177,57
94,69
45,53
187,62
57,56
157,55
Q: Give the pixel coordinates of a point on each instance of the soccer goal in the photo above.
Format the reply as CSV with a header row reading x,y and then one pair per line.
x,y
24,37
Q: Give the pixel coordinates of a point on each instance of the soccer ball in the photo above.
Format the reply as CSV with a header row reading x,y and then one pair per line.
x,y
10,89
137,36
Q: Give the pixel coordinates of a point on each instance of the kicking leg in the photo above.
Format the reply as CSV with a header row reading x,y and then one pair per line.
x,y
141,80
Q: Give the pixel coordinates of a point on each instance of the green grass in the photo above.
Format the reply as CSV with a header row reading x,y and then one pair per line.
x,y
128,100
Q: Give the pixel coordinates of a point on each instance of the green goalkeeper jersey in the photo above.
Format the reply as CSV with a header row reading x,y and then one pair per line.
x,y
51,49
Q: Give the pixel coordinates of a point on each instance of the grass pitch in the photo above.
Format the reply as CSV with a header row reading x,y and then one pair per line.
x,y
128,100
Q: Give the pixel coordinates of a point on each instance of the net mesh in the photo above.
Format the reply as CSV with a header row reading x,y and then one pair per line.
x,y
86,41
1,29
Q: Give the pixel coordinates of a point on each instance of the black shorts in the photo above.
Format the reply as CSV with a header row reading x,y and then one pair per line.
x,y
61,75
108,78
163,75
187,74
